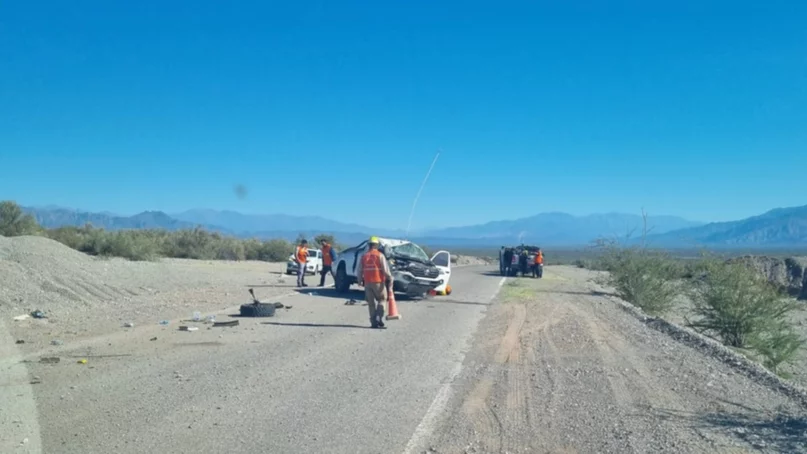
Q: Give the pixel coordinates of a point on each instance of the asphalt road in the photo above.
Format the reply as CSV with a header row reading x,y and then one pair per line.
x,y
314,378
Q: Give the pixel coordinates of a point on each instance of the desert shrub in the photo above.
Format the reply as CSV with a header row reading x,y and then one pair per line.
x,y
230,249
743,310
276,250
72,237
640,276
190,244
15,222
130,244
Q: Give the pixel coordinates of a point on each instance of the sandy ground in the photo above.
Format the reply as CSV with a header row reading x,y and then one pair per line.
x,y
557,367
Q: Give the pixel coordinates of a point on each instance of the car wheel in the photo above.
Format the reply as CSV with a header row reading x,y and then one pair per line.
x,y
341,283
258,310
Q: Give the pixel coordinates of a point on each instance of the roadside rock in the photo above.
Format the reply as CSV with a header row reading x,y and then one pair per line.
x,y
790,273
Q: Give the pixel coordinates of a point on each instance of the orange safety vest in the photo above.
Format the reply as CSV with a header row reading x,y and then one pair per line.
x,y
372,268
326,255
302,254
539,258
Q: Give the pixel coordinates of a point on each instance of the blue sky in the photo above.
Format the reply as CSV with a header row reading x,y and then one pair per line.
x,y
337,108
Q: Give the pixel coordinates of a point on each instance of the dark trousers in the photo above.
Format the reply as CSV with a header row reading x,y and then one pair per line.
x,y
325,270
538,270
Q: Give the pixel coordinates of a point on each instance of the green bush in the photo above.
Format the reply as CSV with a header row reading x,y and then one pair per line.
x,y
641,276
14,222
743,310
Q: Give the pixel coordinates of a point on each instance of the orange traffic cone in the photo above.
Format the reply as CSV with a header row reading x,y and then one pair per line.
x,y
392,309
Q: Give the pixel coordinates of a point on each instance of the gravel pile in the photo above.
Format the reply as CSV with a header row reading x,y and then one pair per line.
x,y
80,293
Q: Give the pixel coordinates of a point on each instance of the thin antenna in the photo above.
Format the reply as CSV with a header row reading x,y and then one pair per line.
x,y
417,197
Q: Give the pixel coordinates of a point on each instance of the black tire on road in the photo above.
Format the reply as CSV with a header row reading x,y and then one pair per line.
x,y
258,310
341,282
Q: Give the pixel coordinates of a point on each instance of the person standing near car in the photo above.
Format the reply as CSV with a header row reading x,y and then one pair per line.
x,y
538,266
522,262
508,261
301,256
328,256
374,275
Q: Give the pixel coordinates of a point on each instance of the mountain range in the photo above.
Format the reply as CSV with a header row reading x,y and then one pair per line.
x,y
781,227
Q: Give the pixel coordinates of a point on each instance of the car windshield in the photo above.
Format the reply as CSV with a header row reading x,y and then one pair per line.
x,y
411,251
312,252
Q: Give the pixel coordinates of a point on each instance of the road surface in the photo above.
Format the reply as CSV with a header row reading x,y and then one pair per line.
x,y
551,366
314,378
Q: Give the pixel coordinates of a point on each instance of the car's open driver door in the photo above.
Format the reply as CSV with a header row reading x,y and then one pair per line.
x,y
442,260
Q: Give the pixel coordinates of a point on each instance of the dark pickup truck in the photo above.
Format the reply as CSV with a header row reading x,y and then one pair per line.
x,y
513,253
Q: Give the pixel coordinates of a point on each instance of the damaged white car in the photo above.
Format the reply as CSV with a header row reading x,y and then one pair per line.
x,y
413,272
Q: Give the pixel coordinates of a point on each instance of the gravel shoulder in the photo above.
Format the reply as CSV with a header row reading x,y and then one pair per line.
x,y
558,367
85,297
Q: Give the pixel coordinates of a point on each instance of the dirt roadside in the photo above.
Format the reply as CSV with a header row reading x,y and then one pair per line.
x,y
558,367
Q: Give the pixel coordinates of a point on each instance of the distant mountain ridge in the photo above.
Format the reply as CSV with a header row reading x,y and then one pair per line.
x,y
60,217
546,228
780,227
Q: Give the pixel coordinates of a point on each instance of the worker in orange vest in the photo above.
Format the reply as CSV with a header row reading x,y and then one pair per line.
x,y
538,266
373,273
301,257
327,259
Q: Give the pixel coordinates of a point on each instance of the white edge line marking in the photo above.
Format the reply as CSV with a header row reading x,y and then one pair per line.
x,y
430,419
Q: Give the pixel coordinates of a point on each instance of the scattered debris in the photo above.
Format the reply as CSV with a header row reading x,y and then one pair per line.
x,y
351,302
223,324
38,314
164,322
211,319
197,316
56,342
82,361
22,317
153,339
35,380
19,341
188,328
99,356
49,359
128,325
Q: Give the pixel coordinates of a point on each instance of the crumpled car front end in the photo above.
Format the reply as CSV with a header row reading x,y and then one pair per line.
x,y
414,278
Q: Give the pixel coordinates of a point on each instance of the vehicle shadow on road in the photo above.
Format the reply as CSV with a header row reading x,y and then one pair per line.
x,y
440,300
271,285
353,294
315,325
780,431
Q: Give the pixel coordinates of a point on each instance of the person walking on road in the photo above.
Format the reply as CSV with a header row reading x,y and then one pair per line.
x,y
374,274
301,257
538,266
328,256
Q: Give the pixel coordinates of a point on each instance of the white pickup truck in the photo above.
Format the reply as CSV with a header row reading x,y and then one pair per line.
x,y
413,273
